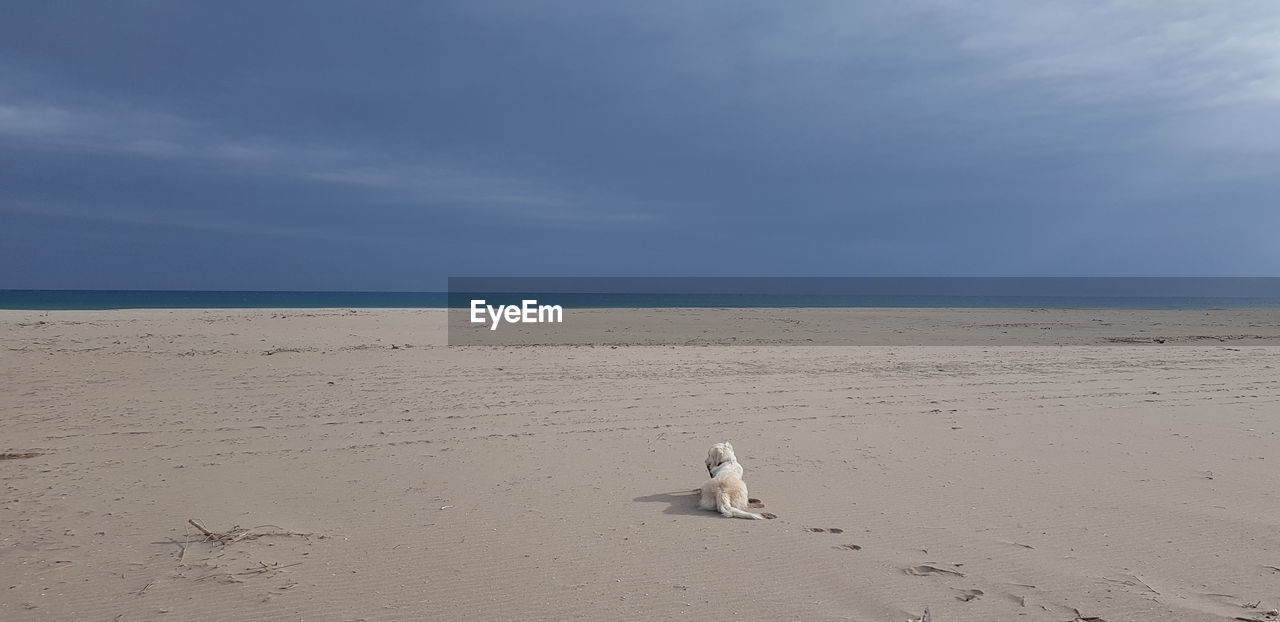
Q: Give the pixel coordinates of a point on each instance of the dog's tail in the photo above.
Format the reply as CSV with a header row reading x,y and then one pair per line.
x,y
728,511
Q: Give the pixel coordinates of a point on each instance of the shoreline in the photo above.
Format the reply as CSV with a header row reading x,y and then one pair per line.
x,y
678,326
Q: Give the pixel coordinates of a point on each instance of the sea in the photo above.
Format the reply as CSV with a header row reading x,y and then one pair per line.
x,y
66,299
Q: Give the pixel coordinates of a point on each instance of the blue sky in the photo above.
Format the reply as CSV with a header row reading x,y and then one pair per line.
x,y
386,146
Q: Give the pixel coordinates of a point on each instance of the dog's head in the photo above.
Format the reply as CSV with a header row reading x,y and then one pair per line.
x,y
720,453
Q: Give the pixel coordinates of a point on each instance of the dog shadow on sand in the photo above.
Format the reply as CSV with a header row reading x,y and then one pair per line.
x,y
686,503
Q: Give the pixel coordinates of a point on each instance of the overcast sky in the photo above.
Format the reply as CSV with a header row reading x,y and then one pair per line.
x,y
385,146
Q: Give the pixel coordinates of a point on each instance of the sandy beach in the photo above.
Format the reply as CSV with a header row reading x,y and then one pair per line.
x,y
351,466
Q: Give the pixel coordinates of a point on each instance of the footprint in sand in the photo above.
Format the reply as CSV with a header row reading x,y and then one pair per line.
x,y
756,504
848,547
824,529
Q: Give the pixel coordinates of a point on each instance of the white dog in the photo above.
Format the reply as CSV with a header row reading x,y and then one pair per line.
x,y
725,493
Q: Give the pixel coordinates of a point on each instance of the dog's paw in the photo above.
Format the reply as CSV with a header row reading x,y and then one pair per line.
x,y
769,515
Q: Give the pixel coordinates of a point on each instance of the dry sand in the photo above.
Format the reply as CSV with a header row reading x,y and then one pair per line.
x,y
1039,483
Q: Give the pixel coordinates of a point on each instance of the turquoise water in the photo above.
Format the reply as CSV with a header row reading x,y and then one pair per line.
x,y
115,299
131,299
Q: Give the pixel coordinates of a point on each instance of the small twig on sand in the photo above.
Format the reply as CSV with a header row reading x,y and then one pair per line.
x,y
265,568
234,577
237,533
1080,617
927,569
1025,546
182,548
1134,581
1144,584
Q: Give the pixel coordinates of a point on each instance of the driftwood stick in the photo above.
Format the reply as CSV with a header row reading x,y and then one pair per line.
x,y
204,531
